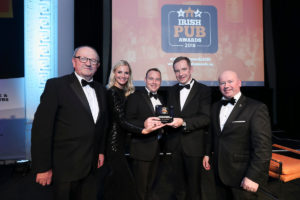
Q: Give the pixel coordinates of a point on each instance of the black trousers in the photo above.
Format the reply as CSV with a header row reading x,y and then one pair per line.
x,y
188,169
82,189
144,173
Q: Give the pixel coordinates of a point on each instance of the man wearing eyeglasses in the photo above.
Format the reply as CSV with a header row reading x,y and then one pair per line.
x,y
68,130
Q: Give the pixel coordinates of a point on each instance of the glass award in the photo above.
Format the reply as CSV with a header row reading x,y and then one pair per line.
x,y
164,113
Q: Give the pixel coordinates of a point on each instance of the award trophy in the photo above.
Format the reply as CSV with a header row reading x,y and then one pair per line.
x,y
164,113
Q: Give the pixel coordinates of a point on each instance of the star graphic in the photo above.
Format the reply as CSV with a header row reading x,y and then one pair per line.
x,y
189,11
180,13
198,13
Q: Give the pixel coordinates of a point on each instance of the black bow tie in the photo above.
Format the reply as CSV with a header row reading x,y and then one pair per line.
x,y
153,95
84,83
225,102
187,86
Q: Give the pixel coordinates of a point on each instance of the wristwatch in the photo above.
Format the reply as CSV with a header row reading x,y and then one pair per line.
x,y
184,127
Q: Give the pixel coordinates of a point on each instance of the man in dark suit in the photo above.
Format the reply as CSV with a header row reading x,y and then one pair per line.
x,y
68,130
191,102
144,149
240,136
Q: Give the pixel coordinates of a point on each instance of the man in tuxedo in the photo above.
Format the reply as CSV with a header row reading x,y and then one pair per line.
x,y
67,142
144,149
191,102
240,137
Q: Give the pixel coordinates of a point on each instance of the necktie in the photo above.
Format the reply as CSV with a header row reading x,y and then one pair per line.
x,y
225,102
187,86
84,83
153,95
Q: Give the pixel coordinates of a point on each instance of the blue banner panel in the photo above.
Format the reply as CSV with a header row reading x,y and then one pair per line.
x,y
41,53
189,29
12,139
12,119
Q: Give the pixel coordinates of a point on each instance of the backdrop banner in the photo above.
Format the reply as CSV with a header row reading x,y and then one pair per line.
x,y
215,35
12,119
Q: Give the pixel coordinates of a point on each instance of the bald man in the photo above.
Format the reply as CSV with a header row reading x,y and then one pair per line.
x,y
240,139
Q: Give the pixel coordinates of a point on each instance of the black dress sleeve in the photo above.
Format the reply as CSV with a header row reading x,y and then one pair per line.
x,y
118,112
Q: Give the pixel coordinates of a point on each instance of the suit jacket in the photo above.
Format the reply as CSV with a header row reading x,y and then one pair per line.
x,y
138,108
244,146
196,113
64,135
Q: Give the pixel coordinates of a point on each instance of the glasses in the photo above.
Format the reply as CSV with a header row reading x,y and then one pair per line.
x,y
85,59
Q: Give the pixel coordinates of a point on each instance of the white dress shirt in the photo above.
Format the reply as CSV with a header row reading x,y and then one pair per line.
x,y
91,97
184,93
154,101
226,110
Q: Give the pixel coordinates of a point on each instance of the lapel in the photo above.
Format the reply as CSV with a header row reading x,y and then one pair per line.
x,y
77,88
217,118
144,94
177,98
191,95
99,99
238,108
161,99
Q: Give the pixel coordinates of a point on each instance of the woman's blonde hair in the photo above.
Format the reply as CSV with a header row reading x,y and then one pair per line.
x,y
129,87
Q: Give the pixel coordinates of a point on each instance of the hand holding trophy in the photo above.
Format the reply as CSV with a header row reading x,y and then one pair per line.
x,y
164,113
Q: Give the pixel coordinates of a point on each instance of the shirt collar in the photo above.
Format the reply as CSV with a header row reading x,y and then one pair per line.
x,y
80,78
191,82
150,91
236,97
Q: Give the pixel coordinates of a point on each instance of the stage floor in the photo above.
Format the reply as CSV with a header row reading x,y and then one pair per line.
x,y
17,183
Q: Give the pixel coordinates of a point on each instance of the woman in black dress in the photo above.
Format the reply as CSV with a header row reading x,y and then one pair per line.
x,y
119,183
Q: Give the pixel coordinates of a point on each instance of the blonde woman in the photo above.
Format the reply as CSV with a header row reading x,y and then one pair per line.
x,y
120,184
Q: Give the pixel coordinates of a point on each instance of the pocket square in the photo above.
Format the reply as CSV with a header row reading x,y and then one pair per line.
x,y
240,121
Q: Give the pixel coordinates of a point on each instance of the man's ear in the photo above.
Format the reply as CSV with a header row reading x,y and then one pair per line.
x,y
73,62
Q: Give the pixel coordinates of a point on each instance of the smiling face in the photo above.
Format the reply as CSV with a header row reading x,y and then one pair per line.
x,y
183,72
153,81
229,84
122,75
85,69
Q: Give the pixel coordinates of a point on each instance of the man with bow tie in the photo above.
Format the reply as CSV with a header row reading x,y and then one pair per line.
x,y
67,142
145,149
191,101
240,139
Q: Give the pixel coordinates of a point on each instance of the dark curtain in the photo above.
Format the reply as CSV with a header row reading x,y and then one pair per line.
x,y
285,17
12,43
93,27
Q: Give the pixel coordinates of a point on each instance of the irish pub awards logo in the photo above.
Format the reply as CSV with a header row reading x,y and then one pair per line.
x,y
189,29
